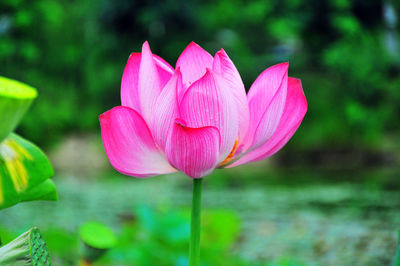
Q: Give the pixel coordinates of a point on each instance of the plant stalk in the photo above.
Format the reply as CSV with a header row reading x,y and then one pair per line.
x,y
194,246
397,258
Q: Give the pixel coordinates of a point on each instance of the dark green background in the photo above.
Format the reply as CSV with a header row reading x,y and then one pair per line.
x,y
74,52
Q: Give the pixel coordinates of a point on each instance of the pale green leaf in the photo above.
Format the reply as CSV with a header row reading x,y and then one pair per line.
x,y
15,99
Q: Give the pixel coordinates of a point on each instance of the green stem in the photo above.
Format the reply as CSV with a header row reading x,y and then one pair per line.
x,y
194,248
397,258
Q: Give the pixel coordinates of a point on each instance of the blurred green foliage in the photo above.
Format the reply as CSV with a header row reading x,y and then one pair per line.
x,y
161,237
75,52
150,237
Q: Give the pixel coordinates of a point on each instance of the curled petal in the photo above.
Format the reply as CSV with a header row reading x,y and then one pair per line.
x,y
149,83
129,83
166,110
129,144
130,79
266,100
208,102
224,66
293,114
194,151
164,69
193,62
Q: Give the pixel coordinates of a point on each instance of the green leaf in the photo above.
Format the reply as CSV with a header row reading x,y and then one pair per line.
x,y
15,99
24,173
98,239
97,235
44,191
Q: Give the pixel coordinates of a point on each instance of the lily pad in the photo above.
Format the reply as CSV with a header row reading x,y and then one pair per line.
x,y
97,235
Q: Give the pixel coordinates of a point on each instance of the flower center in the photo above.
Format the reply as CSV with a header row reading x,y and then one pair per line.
x,y
231,154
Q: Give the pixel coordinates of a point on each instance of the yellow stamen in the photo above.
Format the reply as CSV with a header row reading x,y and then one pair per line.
x,y
231,154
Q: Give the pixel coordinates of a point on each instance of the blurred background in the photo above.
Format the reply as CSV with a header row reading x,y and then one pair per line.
x,y
330,197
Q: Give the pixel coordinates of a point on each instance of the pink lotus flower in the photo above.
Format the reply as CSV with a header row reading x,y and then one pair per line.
x,y
197,117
